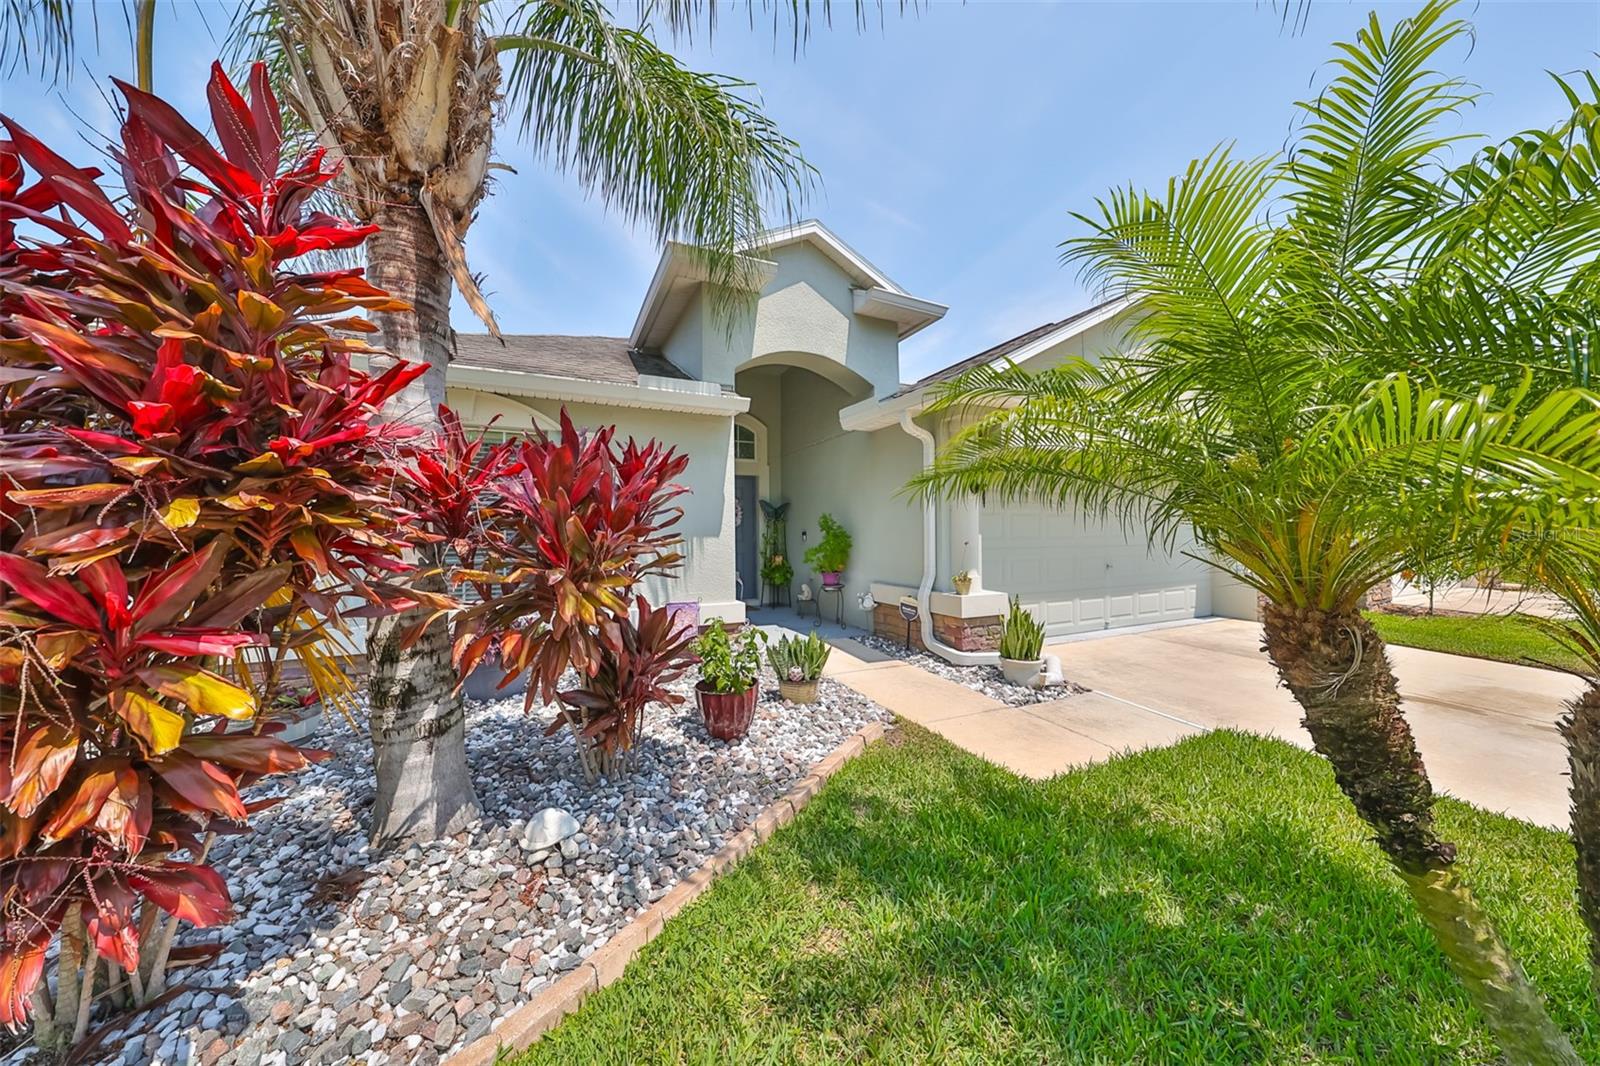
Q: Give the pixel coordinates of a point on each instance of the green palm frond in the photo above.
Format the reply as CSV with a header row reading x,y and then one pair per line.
x,y
691,156
1357,171
39,35
687,19
1524,212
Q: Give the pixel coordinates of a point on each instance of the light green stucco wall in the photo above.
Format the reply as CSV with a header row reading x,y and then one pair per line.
x,y
855,477
807,308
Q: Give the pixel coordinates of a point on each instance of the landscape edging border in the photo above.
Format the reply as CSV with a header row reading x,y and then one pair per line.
x,y
527,1023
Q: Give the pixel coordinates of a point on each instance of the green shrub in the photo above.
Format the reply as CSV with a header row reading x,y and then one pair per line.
x,y
729,664
1021,634
798,658
832,553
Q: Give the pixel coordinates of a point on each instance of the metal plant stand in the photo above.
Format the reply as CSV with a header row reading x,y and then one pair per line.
x,y
838,607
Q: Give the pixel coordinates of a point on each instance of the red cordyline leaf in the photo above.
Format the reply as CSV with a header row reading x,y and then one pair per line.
x,y
163,597
201,642
194,893
21,966
38,768
110,920
53,594
105,579
73,186
237,130
246,751
165,122
78,809
203,785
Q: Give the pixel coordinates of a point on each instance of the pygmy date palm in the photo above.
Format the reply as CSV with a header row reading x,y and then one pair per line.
x,y
1270,295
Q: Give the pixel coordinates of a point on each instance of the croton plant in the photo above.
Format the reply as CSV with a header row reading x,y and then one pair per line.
x,y
194,483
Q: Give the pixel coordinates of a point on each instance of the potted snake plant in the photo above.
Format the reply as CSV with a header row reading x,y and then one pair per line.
x,y
727,689
798,662
1021,645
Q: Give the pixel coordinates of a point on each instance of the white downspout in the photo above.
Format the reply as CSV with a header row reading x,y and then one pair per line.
x,y
930,536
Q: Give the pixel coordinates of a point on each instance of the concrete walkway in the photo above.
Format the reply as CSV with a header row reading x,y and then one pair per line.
x,y
1472,600
1486,729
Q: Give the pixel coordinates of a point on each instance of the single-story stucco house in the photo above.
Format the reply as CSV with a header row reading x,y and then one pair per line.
x,y
802,401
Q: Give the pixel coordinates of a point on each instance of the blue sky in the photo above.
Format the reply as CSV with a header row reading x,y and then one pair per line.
x,y
953,143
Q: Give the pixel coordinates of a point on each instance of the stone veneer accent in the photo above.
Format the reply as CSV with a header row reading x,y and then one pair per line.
x,y
964,634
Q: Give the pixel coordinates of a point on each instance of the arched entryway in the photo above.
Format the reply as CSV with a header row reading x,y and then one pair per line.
x,y
796,452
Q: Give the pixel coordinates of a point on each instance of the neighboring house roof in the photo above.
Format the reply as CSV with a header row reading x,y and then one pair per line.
x,y
876,413
681,271
584,358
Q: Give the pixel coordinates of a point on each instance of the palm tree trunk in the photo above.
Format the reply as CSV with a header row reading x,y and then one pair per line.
x,y
1334,664
415,715
1581,728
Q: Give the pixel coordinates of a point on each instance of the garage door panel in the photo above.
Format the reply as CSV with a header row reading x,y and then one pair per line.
x,y
1081,576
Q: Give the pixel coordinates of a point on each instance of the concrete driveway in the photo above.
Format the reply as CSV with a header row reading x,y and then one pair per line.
x,y
1486,729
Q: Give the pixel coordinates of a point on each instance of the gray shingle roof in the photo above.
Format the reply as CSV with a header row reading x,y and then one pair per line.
x,y
1001,350
584,358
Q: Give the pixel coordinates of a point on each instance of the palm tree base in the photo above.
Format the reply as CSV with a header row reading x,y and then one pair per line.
x,y
1580,727
1334,664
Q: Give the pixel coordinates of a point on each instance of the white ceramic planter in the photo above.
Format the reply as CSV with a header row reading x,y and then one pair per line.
x,y
1021,671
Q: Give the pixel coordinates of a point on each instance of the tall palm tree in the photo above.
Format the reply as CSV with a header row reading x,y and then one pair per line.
x,y
409,94
1270,293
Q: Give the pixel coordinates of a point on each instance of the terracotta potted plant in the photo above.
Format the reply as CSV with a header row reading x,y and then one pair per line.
x,y
832,553
1021,645
727,690
798,662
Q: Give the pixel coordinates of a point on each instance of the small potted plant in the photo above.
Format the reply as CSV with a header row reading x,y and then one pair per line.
x,y
798,662
1021,645
963,582
727,690
831,554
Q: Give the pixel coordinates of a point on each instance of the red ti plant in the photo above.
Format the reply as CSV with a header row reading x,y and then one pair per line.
x,y
576,524
639,658
193,478
452,483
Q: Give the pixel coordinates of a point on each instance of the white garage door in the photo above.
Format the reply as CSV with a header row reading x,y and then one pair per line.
x,y
1080,576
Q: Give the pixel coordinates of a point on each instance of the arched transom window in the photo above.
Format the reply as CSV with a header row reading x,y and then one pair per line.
x,y
744,442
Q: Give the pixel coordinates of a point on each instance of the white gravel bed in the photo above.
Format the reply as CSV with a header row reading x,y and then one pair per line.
x,y
339,954
985,679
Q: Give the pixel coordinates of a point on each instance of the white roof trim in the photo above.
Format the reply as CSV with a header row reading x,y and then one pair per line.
x,y
651,393
677,271
870,414
907,312
853,261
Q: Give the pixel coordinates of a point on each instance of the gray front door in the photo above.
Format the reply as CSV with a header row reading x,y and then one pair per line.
x,y
746,520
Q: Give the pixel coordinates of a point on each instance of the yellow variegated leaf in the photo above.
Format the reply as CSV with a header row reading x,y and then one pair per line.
x,y
202,691
138,465
261,315
180,512
161,728
265,463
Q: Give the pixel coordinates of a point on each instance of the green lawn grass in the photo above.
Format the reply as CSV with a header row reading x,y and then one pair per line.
x,y
1213,902
1490,636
